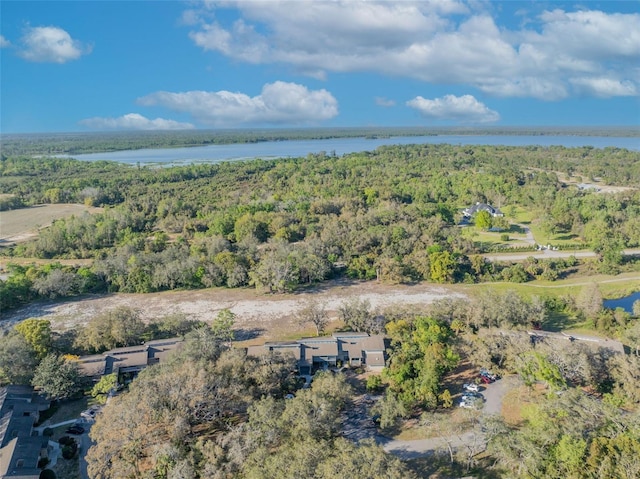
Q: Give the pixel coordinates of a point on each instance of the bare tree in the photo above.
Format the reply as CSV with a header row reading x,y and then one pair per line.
x,y
358,315
315,313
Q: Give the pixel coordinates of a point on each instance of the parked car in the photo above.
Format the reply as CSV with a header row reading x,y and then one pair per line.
x,y
489,374
470,403
75,429
471,387
468,396
485,379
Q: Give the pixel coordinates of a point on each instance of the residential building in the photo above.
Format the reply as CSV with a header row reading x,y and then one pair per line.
x,y
128,361
312,354
20,449
472,210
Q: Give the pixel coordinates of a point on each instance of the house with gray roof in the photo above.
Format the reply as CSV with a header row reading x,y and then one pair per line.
x,y
127,360
473,210
312,354
20,449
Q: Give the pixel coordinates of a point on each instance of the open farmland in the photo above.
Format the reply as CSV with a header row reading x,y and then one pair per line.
x,y
23,224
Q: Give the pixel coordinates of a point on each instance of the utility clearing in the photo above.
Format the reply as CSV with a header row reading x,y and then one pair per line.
x,y
261,316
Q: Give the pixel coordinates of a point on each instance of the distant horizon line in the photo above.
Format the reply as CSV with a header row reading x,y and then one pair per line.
x,y
467,129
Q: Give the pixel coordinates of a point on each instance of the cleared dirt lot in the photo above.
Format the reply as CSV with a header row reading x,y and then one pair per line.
x,y
263,316
23,224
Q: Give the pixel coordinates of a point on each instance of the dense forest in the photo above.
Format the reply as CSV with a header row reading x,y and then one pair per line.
x,y
392,214
76,143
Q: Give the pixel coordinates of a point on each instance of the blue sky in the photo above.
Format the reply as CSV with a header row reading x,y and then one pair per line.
x,y
143,65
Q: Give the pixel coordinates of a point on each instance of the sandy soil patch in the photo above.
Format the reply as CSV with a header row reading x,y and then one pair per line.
x,y
23,224
267,316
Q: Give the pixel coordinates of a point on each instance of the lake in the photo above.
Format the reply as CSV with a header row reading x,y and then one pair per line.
x,y
625,303
341,146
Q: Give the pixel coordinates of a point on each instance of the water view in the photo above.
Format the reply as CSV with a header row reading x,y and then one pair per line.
x,y
340,146
625,303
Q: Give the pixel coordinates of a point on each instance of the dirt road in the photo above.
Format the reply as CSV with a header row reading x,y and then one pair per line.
x,y
265,316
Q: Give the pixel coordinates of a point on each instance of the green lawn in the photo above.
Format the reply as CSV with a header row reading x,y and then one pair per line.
x,y
69,409
478,236
560,239
610,286
563,322
518,214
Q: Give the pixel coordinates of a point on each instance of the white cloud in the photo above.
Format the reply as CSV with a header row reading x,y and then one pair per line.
x,y
278,103
436,42
604,87
462,109
386,102
51,44
4,42
134,121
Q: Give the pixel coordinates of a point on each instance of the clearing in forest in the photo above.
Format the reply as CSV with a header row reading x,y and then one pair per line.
x,y
23,224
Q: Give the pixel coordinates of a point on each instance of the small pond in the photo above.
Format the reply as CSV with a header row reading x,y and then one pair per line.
x,y
625,303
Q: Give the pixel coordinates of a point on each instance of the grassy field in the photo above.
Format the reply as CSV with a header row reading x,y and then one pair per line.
x,y
610,286
518,399
560,239
516,237
527,217
19,225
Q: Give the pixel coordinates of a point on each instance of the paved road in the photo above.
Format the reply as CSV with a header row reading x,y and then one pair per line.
x,y
548,254
84,441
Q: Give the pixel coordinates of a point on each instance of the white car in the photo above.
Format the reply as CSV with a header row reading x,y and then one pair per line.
x,y
470,403
471,387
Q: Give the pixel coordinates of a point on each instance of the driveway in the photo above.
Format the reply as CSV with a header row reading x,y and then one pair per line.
x,y
495,392
528,234
84,442
472,440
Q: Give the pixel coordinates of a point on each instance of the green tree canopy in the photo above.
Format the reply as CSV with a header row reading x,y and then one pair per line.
x,y
37,332
483,220
18,359
57,377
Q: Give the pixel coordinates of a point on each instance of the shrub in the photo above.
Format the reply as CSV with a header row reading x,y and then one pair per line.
x,y
48,474
48,432
69,451
504,237
374,383
66,441
445,399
